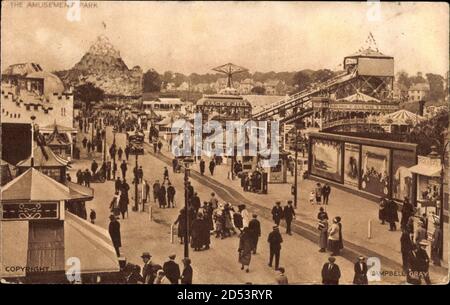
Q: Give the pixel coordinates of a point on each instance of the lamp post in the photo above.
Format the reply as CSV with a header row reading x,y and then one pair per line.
x,y
186,212
114,149
136,181
104,146
441,198
33,117
295,168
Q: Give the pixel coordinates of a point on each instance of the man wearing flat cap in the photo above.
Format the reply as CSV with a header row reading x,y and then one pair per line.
x,y
331,272
275,241
172,269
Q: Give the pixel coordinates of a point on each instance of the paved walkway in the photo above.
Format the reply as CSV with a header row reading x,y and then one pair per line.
x,y
355,211
217,265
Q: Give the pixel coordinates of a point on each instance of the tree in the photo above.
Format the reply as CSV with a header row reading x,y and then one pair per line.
x,y
432,132
403,79
436,87
322,75
418,79
87,93
151,81
302,80
258,90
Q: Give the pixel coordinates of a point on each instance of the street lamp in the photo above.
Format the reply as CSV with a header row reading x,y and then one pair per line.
x,y
33,117
296,165
441,197
136,181
186,212
113,155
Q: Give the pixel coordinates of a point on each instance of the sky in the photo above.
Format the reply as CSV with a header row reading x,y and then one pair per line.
x,y
197,36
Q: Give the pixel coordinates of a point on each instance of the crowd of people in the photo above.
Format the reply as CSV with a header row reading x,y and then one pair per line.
x,y
223,220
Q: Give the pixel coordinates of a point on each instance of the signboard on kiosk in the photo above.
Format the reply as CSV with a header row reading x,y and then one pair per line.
x,y
29,210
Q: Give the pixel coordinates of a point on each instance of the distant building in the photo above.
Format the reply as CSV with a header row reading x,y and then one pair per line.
x,y
246,86
164,105
184,86
29,91
418,92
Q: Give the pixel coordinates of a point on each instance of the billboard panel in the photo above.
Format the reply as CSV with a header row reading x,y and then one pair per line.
x,y
375,170
402,177
376,66
326,159
351,165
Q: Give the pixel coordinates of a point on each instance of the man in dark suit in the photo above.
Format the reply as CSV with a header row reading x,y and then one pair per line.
x,y
360,277
275,241
202,167
254,228
172,270
331,272
150,269
195,202
289,214
114,232
147,269
170,196
277,213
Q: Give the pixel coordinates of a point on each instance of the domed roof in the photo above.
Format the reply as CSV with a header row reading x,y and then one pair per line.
x,y
52,83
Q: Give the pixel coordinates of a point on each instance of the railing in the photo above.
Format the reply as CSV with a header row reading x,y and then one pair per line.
x,y
343,122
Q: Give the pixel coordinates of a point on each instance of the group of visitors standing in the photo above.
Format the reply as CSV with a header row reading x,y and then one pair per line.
x,y
320,194
153,273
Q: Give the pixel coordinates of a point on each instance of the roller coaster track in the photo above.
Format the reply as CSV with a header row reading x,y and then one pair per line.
x,y
299,100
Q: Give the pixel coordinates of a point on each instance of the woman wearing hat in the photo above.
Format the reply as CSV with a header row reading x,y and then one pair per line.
x,y
245,249
186,276
196,231
360,277
323,235
333,237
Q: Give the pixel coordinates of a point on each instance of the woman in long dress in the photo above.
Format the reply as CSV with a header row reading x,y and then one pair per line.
x,y
181,221
245,249
323,237
333,238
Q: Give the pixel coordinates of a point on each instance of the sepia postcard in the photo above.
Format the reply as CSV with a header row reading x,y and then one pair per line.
x,y
224,143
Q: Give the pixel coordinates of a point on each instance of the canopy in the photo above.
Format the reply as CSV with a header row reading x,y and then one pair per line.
x,y
91,244
80,192
426,170
164,122
401,117
360,97
51,127
44,157
33,185
57,139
